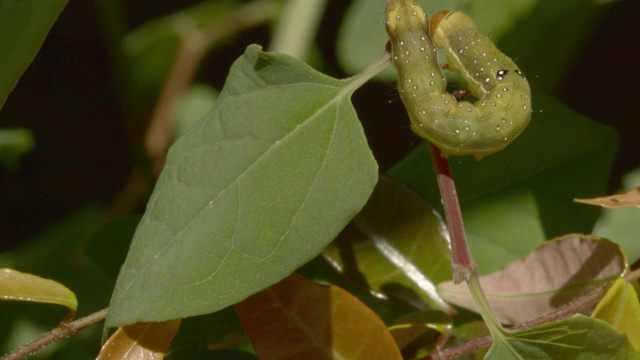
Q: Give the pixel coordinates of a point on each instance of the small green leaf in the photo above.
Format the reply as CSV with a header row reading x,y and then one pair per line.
x,y
299,319
620,308
15,285
252,192
396,247
578,337
24,24
554,274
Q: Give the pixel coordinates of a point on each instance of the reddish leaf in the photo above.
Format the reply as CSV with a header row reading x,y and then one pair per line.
x,y
549,277
299,319
140,341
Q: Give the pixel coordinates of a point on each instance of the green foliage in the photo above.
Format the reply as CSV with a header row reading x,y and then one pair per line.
x,y
24,26
249,194
269,169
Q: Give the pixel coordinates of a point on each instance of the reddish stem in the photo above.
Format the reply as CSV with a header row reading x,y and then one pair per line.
x,y
462,262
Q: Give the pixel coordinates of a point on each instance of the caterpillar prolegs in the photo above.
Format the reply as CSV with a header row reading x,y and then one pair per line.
x,y
503,108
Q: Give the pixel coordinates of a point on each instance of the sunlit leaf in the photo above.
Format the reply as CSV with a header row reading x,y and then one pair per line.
x,y
620,308
15,285
396,246
516,199
24,24
558,271
253,191
630,198
140,341
578,337
298,319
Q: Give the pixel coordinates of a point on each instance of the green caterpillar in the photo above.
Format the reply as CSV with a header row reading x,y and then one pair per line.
x,y
503,108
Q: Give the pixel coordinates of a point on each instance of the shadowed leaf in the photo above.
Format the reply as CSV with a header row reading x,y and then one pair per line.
x,y
408,327
557,272
397,247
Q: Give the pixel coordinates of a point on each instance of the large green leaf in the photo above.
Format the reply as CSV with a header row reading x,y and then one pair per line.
x,y
253,191
577,337
515,200
24,24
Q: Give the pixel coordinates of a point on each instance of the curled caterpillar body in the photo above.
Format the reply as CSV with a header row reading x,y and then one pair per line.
x,y
503,108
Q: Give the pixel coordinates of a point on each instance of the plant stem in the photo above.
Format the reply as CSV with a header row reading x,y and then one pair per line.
x,y
63,331
463,266
461,260
561,313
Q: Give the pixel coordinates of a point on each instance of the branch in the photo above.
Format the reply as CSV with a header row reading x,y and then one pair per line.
x,y
63,331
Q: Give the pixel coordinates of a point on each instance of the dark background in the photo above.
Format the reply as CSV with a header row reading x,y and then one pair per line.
x,y
84,154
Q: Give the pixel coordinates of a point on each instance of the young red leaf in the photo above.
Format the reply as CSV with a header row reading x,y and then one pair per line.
x,y
299,319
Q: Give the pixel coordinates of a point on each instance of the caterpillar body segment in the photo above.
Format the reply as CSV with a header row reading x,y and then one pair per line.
x,y
503,108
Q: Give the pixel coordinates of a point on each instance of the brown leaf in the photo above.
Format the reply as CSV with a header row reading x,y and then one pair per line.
x,y
299,319
630,198
140,341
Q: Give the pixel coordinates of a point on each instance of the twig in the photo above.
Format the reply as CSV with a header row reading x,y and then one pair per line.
x,y
63,331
